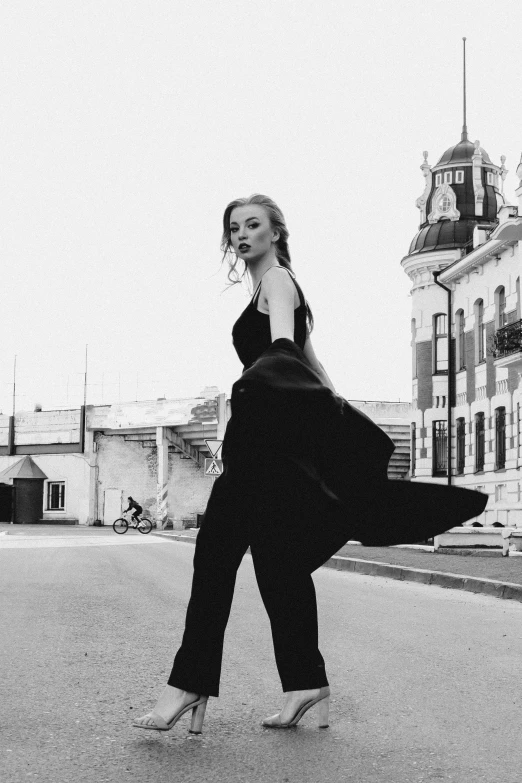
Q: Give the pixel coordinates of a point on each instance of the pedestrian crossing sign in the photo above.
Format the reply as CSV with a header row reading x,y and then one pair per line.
x,y
213,467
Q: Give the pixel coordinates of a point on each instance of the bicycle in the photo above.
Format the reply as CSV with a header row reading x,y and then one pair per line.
x,y
142,525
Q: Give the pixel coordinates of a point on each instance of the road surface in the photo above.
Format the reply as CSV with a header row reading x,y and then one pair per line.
x,y
425,681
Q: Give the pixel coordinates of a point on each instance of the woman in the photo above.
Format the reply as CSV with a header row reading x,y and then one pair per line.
x,y
303,473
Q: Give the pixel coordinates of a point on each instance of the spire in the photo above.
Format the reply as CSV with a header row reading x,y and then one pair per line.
x,y
464,136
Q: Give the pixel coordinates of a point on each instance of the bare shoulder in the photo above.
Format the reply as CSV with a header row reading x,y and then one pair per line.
x,y
278,275
277,285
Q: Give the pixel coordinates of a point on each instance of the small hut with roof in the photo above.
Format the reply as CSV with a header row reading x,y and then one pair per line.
x,y
27,481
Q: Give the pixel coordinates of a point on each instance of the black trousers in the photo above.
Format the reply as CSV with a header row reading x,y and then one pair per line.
x,y
262,503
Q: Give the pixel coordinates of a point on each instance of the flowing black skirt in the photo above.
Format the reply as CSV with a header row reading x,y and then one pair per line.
x,y
325,463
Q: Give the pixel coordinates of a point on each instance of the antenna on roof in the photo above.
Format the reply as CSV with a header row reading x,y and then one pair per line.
x,y
464,136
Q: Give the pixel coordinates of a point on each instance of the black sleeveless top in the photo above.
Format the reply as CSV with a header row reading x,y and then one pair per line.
x,y
251,333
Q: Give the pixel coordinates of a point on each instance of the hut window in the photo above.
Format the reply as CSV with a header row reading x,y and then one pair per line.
x,y
56,496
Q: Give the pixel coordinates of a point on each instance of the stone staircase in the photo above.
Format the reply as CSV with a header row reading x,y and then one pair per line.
x,y
399,432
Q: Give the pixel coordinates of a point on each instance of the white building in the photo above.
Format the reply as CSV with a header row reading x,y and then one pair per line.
x,y
464,264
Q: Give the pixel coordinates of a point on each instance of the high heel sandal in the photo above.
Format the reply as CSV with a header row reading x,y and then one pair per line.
x,y
160,724
323,700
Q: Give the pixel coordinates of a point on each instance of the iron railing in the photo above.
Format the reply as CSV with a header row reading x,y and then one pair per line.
x,y
440,448
508,340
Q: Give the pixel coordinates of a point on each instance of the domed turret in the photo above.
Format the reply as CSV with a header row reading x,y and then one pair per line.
x,y
462,153
462,190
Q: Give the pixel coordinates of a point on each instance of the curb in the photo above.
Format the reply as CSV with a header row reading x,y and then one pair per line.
x,y
471,584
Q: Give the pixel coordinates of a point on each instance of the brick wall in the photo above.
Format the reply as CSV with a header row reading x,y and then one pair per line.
x,y
424,375
189,488
131,467
490,367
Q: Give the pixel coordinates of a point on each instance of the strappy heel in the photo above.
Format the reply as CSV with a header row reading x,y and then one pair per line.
x,y
323,708
198,708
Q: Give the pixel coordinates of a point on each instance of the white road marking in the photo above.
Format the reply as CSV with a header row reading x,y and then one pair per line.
x,y
57,542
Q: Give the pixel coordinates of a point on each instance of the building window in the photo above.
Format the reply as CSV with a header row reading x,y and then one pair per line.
x,y
518,431
448,177
500,493
500,438
438,180
56,496
518,298
440,347
500,307
461,445
459,177
479,442
461,344
491,178
413,459
440,448
480,332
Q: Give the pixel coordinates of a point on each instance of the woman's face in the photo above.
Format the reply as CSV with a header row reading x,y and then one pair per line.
x,y
250,232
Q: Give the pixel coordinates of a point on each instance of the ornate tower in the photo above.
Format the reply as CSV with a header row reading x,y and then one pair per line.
x,y
462,195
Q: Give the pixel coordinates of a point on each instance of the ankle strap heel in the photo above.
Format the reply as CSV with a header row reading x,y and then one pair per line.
x,y
198,716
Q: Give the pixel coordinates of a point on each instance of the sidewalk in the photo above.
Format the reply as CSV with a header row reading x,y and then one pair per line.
x,y
497,576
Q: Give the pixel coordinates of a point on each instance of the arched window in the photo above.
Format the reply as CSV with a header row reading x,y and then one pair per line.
x,y
440,343
461,344
413,348
461,445
480,332
500,307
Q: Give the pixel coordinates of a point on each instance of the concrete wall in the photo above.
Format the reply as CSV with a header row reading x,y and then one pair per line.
x,y
43,427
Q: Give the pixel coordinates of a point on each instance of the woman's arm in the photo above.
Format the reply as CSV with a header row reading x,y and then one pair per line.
x,y
279,292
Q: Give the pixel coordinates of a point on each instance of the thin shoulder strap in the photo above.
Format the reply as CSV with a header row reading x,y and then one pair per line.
x,y
259,284
300,293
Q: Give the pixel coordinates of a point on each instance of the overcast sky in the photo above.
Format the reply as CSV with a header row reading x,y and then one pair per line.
x,y
128,126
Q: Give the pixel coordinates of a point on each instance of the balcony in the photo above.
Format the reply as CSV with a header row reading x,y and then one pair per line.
x,y
507,346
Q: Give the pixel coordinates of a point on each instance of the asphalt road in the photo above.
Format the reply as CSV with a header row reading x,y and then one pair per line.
x,y
425,681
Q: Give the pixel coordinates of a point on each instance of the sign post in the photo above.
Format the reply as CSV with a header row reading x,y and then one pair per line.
x,y
214,464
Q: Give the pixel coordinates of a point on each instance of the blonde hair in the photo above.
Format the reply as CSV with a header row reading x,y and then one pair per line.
x,y
277,223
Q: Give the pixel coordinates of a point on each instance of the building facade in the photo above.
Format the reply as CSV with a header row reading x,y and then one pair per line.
x,y
464,264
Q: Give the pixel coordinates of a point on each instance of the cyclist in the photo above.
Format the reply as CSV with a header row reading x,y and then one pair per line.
x,y
137,509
